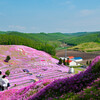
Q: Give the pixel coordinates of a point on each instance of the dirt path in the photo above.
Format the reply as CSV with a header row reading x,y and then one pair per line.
x,y
85,56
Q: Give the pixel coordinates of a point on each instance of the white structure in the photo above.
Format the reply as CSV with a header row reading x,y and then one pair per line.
x,y
64,58
72,63
77,59
78,64
71,70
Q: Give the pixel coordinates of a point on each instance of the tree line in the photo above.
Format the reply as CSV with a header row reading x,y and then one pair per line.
x,y
6,39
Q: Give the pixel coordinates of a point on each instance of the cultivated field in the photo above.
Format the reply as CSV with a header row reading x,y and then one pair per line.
x,y
84,55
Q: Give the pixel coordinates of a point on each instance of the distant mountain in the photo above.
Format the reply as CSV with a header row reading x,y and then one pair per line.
x,y
55,39
2,32
78,38
80,33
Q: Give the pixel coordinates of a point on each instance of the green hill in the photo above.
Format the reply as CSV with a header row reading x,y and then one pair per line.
x,y
69,38
87,47
88,37
52,40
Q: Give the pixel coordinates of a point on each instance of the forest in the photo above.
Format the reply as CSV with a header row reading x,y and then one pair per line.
x,y
47,42
7,39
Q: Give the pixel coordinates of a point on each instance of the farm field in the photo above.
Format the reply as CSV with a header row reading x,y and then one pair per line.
x,y
86,56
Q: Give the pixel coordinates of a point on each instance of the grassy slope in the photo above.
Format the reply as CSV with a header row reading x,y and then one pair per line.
x,y
87,47
78,39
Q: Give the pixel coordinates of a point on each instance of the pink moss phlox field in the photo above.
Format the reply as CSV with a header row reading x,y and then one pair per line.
x,y
5,95
20,94
33,60
40,63
73,84
37,62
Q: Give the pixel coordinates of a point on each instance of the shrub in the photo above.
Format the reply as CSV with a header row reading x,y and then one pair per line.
x,y
15,85
64,62
67,61
90,62
60,61
7,72
7,59
87,63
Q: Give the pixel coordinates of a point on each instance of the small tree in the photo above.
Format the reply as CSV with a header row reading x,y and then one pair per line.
x,y
7,72
64,62
60,61
67,61
7,59
15,85
87,63
90,62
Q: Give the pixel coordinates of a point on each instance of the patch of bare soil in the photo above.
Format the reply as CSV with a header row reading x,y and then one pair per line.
x,y
84,55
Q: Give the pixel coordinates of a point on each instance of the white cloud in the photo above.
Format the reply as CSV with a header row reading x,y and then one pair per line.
x,y
16,27
69,4
87,12
72,6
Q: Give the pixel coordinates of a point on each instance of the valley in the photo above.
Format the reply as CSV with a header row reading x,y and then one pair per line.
x,y
86,56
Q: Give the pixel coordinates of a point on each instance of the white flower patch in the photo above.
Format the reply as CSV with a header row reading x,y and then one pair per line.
x,y
19,49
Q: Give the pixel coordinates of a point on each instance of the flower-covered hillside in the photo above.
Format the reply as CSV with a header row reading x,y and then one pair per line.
x,y
39,64
44,68
74,83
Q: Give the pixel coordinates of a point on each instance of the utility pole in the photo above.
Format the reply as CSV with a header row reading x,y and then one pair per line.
x,y
65,52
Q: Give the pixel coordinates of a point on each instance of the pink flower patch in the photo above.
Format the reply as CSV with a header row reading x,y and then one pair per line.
x,y
42,60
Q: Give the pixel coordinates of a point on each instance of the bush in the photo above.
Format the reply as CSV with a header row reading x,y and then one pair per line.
x,y
64,62
87,63
60,61
7,59
67,61
90,62
15,85
7,72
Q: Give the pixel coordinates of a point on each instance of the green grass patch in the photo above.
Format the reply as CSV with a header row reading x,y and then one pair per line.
x,y
87,47
78,69
55,57
62,48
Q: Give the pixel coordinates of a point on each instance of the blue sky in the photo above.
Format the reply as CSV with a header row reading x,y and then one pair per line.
x,y
64,16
